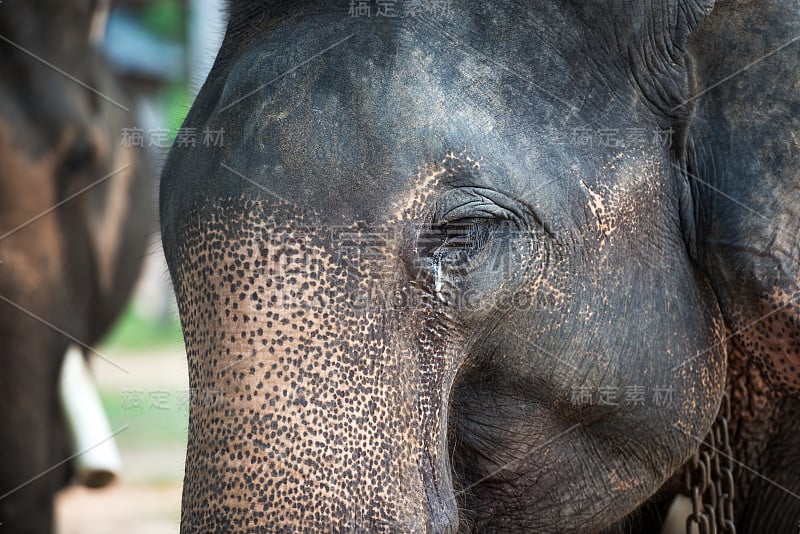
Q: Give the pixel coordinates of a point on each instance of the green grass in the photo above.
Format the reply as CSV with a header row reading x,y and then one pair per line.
x,y
150,432
149,426
178,100
136,332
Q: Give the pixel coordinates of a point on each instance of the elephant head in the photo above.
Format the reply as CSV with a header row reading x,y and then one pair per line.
x,y
75,213
477,268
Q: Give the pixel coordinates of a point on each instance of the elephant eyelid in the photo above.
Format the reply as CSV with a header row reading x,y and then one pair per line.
x,y
482,212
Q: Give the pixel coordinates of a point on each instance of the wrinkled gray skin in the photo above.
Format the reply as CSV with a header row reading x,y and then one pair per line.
x,y
72,267
431,159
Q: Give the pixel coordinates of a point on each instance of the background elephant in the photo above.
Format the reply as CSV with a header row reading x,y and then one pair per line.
x,y
489,270
75,214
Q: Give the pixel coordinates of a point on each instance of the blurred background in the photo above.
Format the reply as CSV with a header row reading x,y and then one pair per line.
x,y
161,50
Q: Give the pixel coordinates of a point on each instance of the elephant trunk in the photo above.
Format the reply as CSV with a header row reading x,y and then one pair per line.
x,y
338,452
311,414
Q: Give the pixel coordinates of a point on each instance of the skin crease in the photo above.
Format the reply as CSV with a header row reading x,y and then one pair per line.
x,y
395,275
74,267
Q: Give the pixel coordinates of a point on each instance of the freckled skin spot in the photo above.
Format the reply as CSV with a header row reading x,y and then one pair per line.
x,y
770,334
319,402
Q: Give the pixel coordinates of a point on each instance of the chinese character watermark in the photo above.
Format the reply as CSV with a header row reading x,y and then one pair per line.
x,y
610,137
164,400
400,9
184,137
636,395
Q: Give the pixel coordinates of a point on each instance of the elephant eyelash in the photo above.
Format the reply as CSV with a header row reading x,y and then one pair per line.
x,y
467,234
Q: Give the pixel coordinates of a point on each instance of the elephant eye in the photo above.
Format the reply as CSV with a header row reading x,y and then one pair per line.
x,y
461,236
456,246
465,235
447,253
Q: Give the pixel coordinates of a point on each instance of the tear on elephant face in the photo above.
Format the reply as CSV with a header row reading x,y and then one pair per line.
x,y
441,274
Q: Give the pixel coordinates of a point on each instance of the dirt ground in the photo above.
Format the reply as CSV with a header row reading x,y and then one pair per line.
x,y
123,509
146,499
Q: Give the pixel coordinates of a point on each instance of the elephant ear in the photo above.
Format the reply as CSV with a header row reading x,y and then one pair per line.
x,y
743,167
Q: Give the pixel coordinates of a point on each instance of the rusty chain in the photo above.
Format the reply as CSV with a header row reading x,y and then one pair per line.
x,y
709,480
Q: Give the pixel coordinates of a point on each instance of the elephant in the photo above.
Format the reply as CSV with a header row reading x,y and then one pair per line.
x,y
495,266
78,212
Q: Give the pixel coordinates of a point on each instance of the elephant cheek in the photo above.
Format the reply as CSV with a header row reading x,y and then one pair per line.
x,y
310,414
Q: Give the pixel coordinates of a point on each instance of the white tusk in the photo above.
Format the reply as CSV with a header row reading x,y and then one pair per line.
x,y
87,424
